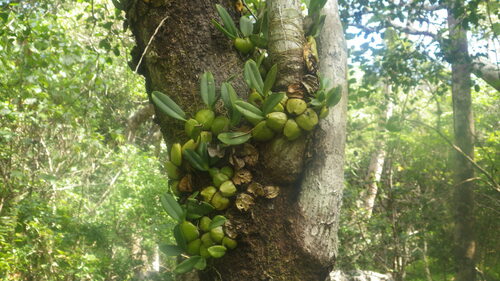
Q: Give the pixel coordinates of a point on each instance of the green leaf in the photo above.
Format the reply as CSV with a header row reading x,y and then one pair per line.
x,y
207,89
202,151
246,26
325,82
172,208
171,250
320,95
234,138
249,110
247,75
217,221
316,30
227,20
217,251
252,76
194,194
202,264
258,40
264,27
168,106
228,95
195,160
179,237
271,101
223,30
333,96
197,209
187,265
316,103
316,5
119,5
270,79
235,118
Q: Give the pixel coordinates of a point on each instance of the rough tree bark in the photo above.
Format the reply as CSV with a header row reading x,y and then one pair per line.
x,y
464,137
291,237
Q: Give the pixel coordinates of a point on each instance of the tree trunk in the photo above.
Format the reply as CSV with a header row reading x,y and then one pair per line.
x,y
291,237
135,120
320,196
372,179
377,159
464,139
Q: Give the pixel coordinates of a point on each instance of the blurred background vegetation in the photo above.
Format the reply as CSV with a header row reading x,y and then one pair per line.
x,y
81,169
78,198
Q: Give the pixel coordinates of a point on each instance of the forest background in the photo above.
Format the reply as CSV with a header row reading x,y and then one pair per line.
x,y
81,159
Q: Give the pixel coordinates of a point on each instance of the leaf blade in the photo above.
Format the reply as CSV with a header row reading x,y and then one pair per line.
x,y
172,207
168,106
223,30
270,79
187,265
234,138
217,221
333,96
252,76
197,209
248,110
195,160
179,237
246,26
227,20
271,101
171,250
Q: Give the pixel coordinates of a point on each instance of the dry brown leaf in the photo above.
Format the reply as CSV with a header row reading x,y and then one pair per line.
x,y
271,191
186,184
238,5
244,202
250,154
230,229
242,176
310,59
310,83
216,151
256,189
236,162
296,90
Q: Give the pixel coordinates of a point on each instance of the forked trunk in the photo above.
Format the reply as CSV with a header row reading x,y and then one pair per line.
x,y
290,237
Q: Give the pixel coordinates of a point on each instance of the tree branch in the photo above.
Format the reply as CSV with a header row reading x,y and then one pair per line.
x,y
493,183
487,71
425,7
480,67
412,30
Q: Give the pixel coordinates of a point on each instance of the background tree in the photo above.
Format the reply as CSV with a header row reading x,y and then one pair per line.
x,y
412,22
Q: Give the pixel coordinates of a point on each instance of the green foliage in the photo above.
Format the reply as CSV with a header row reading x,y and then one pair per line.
x,y
413,213
77,202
